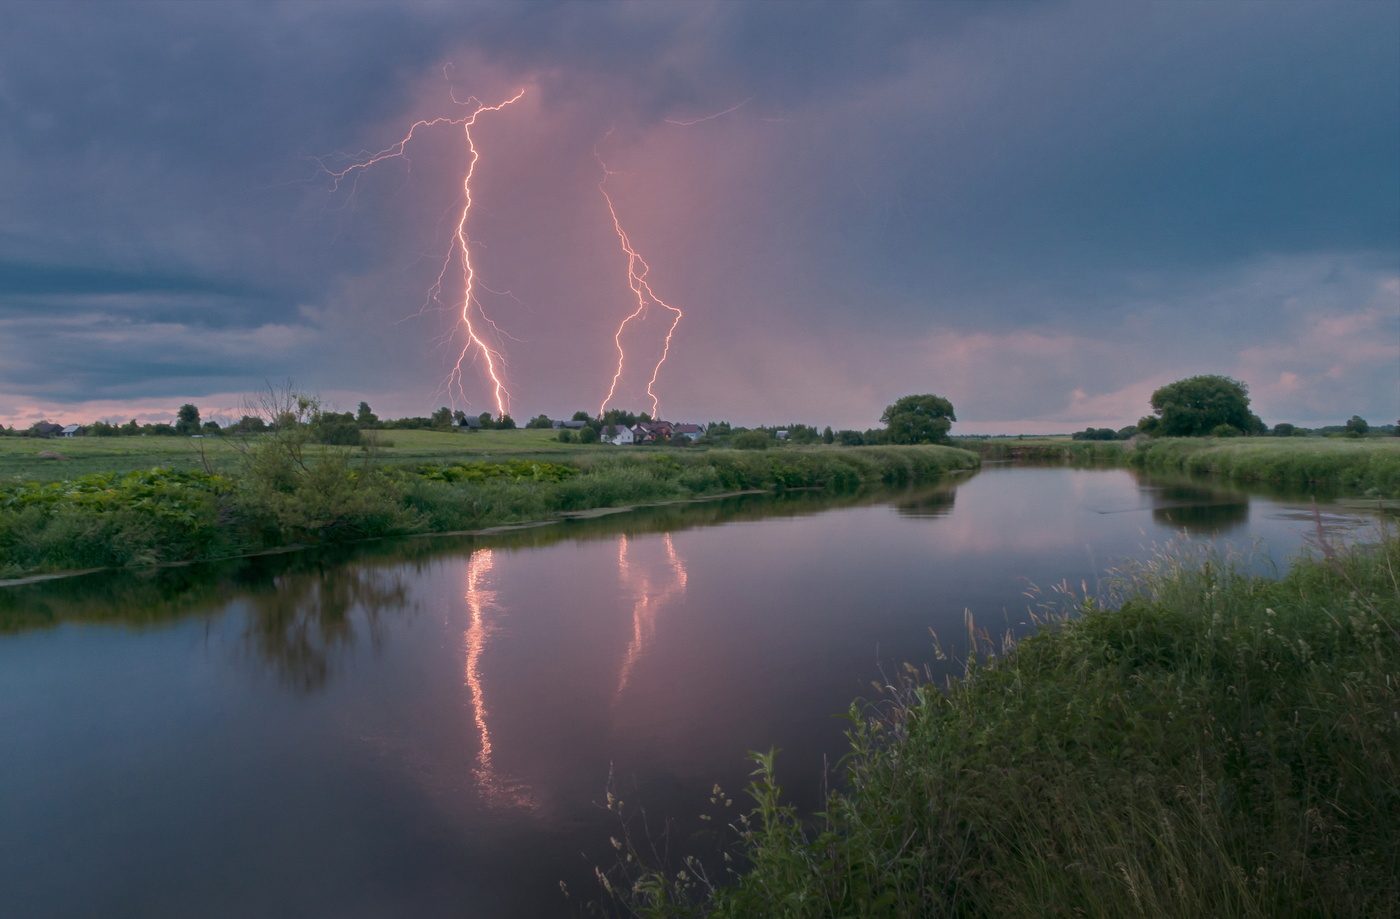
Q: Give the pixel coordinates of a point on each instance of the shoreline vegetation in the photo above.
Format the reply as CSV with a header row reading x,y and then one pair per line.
x,y
1366,467
1199,741
281,492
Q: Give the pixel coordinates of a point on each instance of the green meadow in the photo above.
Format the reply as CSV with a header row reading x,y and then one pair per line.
x,y
154,503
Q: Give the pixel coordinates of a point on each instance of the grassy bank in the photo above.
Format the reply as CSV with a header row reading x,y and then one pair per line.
x,y
1368,466
1215,744
283,492
1047,449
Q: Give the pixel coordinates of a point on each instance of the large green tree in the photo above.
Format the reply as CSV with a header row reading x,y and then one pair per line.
x,y
922,419
187,420
1196,406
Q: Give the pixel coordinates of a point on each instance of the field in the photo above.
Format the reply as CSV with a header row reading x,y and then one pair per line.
x,y
144,505
20,456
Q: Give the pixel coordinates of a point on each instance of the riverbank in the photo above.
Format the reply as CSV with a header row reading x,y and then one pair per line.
x,y
1212,744
289,494
1365,467
1368,466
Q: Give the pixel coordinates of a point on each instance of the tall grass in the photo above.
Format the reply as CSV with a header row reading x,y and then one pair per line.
x,y
1369,466
1211,744
288,492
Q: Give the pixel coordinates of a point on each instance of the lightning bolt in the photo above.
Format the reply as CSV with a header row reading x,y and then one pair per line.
x,y
459,249
637,271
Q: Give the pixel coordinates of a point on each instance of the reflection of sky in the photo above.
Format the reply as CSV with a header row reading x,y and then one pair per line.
x,y
456,759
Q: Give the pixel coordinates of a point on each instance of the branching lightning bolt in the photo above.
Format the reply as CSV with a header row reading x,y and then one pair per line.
x,y
637,270
459,250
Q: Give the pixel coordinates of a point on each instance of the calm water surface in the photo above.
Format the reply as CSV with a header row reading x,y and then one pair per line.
x,y
426,728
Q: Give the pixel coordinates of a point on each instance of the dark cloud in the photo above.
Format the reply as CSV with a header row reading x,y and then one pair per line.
x,y
1074,169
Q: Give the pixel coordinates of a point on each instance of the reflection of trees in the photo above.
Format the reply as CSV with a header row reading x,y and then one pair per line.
x,y
299,623
1196,508
936,501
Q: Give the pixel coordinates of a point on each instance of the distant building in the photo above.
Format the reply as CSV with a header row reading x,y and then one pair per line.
x,y
73,430
647,432
691,432
467,423
618,435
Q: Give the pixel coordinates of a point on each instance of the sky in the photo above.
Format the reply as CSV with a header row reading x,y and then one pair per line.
x,y
1041,211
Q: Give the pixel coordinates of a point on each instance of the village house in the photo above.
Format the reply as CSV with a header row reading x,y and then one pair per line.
x,y
618,435
73,430
691,432
647,432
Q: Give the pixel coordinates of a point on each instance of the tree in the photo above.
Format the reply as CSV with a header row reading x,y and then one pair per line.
x,y
1357,427
1197,406
1284,429
539,421
581,416
588,434
506,423
922,419
365,416
828,436
187,420
442,418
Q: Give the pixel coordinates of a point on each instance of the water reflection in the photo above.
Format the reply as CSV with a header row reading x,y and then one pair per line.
x,y
481,600
1197,509
929,502
648,597
298,624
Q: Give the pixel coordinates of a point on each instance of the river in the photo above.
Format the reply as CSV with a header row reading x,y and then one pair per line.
x,y
429,727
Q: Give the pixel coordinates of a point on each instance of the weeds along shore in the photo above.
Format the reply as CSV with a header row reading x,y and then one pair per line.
x,y
1366,466
1208,743
285,492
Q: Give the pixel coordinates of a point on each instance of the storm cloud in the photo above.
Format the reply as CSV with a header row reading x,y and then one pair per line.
x,y
1041,210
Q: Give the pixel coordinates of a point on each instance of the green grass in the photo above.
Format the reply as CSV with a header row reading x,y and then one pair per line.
x,y
1365,466
281,491
20,456
1212,744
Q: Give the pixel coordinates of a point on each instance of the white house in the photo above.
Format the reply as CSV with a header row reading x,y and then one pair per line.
x,y
72,430
619,434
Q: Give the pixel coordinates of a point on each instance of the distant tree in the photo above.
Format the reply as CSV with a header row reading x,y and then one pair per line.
x,y
506,423
581,416
102,429
1127,432
211,427
1356,426
335,428
645,416
850,438
487,422
752,440
922,419
365,416
619,416
249,424
1198,406
1148,424
1284,429
588,434
130,429
187,420
539,421
566,436
442,418
828,436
